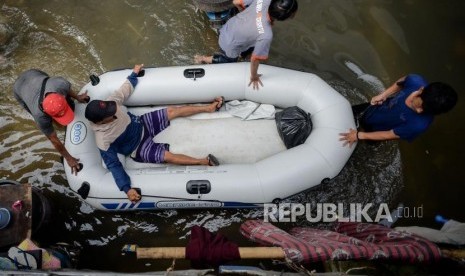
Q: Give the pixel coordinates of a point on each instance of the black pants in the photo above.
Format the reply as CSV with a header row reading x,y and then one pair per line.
x,y
360,112
359,109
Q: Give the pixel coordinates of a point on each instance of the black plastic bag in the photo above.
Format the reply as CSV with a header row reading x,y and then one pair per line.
x,y
294,126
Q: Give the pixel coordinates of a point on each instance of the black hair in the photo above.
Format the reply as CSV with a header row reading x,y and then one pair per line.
x,y
438,98
282,9
97,110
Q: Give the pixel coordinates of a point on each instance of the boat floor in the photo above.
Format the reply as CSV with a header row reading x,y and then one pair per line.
x,y
229,138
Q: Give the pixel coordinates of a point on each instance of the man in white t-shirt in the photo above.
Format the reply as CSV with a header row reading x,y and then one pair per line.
x,y
250,32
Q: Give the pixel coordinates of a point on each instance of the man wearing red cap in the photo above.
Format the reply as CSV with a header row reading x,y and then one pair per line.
x,y
47,98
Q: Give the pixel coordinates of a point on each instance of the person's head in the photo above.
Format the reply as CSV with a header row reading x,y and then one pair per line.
x,y
437,98
56,106
101,112
282,9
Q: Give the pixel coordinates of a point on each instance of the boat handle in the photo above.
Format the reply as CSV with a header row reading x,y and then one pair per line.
x,y
194,73
198,187
94,79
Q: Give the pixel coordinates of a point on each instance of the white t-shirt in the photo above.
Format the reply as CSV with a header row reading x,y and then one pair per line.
x,y
249,28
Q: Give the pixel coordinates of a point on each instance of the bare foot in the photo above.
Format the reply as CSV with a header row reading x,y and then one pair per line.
x,y
198,59
216,104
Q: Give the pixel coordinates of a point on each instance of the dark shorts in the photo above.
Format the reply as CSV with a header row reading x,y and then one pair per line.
x,y
221,57
149,151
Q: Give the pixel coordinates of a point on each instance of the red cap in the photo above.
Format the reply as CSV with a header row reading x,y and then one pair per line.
x,y
57,107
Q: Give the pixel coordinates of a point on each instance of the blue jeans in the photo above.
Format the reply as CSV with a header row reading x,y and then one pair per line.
x,y
221,57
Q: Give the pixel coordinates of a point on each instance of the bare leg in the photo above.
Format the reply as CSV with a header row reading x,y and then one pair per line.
x,y
181,159
198,59
188,110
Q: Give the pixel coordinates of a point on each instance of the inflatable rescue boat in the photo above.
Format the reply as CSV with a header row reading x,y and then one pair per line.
x,y
256,167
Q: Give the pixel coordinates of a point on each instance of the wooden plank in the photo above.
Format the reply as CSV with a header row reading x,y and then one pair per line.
x,y
21,220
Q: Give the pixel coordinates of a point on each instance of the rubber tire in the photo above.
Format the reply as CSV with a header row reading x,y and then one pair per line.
x,y
214,5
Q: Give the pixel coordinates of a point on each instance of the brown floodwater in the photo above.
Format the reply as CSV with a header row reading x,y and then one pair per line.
x,y
357,46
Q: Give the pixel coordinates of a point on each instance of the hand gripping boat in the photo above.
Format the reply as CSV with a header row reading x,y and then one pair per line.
x,y
255,167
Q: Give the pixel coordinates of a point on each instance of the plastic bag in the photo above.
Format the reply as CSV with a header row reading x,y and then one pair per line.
x,y
294,126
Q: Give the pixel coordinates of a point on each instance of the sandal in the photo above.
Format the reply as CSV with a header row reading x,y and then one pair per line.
x,y
212,160
222,103
22,258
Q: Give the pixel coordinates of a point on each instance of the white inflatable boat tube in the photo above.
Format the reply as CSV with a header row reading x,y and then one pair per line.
x,y
230,185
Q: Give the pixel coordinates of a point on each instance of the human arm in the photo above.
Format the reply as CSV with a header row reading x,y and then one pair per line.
x,y
126,89
135,72
353,136
82,98
377,135
254,76
122,180
393,89
239,4
72,162
133,195
63,86
260,53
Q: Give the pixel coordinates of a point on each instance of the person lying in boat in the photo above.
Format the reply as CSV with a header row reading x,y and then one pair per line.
x,y
49,99
250,32
118,131
404,116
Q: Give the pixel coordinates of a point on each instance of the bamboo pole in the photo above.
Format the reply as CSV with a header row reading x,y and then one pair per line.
x,y
161,252
453,253
244,252
180,253
261,253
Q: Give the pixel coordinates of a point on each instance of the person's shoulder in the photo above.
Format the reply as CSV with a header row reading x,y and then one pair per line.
x,y
30,75
422,121
413,127
415,78
267,34
33,72
58,80
58,84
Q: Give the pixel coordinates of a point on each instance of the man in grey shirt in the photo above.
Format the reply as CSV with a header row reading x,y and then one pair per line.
x,y
250,32
47,98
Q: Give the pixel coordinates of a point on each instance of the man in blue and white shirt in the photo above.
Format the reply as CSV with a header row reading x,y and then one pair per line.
x,y
118,131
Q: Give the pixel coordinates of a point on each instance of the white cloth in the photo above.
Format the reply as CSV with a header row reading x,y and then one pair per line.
x,y
248,110
452,232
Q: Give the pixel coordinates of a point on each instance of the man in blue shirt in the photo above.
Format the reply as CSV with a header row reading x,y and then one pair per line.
x,y
404,116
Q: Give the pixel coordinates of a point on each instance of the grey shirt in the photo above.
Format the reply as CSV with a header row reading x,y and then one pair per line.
x,y
249,28
27,91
